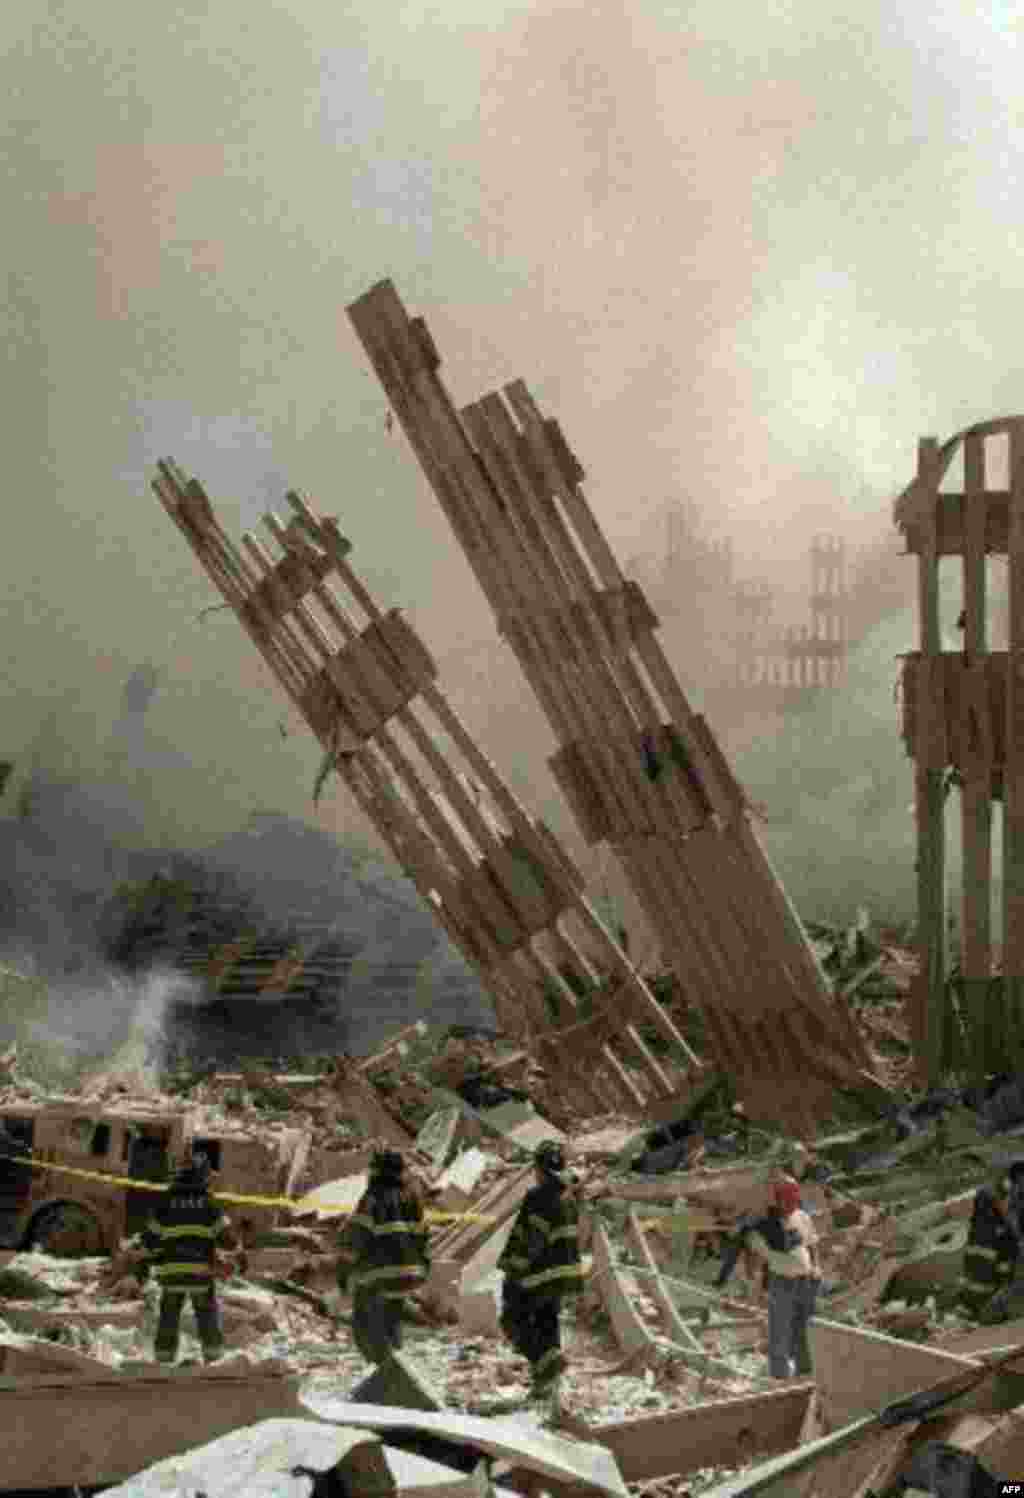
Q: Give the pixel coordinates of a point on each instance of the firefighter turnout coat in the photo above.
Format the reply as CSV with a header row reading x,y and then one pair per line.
x,y
990,1258
181,1238
542,1255
384,1247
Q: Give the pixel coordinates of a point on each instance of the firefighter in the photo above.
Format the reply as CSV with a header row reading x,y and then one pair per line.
x,y
181,1241
541,1261
1016,1175
786,1240
990,1258
383,1256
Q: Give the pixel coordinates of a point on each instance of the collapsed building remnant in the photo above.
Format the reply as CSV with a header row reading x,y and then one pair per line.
x,y
666,1374
113,1426
639,769
637,1340
702,602
715,1433
784,672
963,725
500,884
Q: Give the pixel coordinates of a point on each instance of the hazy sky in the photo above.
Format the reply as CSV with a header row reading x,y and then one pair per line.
x,y
746,252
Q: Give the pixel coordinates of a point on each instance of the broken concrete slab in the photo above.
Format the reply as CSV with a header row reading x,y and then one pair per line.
x,y
114,1427
630,1332
483,1263
510,1439
398,1382
984,1340
27,1355
480,1309
695,1354
443,1286
718,1433
963,1433
463,1174
436,1139
628,1325
489,1212
32,1319
834,1464
333,1198
256,1462
1002,1450
517,1122
418,1477
858,1370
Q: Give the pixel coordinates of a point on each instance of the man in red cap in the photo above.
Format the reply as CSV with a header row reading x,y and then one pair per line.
x,y
786,1240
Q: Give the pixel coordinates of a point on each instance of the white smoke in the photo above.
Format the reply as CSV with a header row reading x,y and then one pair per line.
x,y
109,1027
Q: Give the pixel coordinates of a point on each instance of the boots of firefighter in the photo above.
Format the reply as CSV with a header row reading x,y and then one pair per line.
x,y
547,1400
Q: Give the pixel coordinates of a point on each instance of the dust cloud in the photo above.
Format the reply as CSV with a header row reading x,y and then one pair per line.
x,y
746,256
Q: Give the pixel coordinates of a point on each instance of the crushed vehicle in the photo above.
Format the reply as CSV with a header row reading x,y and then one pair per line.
x,y
81,1215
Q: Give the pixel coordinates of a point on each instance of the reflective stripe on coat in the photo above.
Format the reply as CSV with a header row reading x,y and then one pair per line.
x,y
181,1239
385,1244
542,1254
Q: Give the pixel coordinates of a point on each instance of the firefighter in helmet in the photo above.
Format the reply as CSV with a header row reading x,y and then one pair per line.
x,y
541,1261
383,1256
181,1240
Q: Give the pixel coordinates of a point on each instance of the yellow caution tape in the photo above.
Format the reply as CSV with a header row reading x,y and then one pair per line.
x,y
326,1209
228,1196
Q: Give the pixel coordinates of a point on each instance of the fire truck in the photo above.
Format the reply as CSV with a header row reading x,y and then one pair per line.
x,y
78,1215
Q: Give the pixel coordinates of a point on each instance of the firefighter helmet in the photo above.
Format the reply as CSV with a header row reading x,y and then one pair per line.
x,y
194,1171
549,1157
387,1164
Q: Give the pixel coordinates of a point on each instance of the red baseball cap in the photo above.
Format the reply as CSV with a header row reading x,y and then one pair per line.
x,y
787,1196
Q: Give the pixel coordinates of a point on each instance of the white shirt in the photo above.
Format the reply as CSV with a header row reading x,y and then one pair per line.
x,y
795,1261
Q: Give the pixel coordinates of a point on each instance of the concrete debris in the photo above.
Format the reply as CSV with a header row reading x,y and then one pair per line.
x,y
667,1373
562,1461
292,1457
436,1139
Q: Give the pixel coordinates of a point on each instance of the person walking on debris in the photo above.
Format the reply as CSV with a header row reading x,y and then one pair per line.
x,y
991,1255
383,1256
181,1239
787,1242
541,1262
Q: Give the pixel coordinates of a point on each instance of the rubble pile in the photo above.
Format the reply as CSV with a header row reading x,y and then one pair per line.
x,y
654,1342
